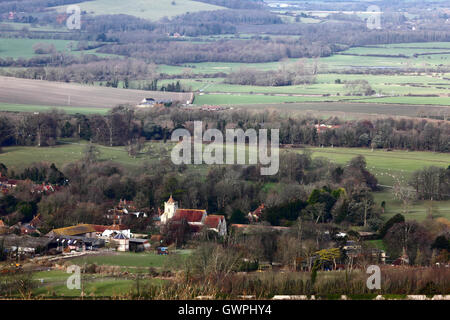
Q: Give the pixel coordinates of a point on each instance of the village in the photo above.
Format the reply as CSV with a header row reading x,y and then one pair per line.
x,y
24,241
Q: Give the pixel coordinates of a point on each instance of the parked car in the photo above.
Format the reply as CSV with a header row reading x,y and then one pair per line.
x,y
162,250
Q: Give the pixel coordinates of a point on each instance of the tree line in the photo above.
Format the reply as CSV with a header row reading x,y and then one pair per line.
x,y
124,125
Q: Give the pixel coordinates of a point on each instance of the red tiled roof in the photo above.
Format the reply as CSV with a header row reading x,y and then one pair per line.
x,y
212,221
190,215
36,221
258,211
99,228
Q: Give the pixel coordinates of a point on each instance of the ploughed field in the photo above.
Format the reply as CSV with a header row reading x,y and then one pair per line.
x,y
16,91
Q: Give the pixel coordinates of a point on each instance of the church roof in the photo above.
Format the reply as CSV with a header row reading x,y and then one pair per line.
x,y
190,215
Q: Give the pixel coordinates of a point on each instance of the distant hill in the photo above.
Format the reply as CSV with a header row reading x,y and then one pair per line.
x,y
146,9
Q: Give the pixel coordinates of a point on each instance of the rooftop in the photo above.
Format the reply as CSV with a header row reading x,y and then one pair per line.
x,y
74,230
118,227
213,221
191,215
13,240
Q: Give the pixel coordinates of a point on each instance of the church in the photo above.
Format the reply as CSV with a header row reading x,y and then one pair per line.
x,y
196,218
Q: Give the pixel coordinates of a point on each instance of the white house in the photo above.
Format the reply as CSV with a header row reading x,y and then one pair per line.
x,y
216,223
111,233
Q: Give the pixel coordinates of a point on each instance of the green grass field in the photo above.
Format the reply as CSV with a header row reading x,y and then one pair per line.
x,y
414,84
34,108
411,88
146,9
401,164
418,210
23,48
172,261
53,284
18,157
15,26
384,164
344,60
242,99
234,99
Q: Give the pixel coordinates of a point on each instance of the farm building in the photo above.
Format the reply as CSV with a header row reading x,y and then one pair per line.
x,y
81,230
122,242
76,243
28,228
112,231
324,127
130,244
24,245
139,245
150,102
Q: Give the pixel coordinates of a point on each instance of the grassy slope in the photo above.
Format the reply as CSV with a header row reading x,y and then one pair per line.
x,y
396,163
417,211
385,164
18,157
146,9
23,48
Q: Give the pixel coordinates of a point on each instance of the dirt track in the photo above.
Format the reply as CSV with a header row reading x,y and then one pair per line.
x,y
45,93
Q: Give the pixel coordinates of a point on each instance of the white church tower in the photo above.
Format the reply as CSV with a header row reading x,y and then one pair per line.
x,y
170,207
